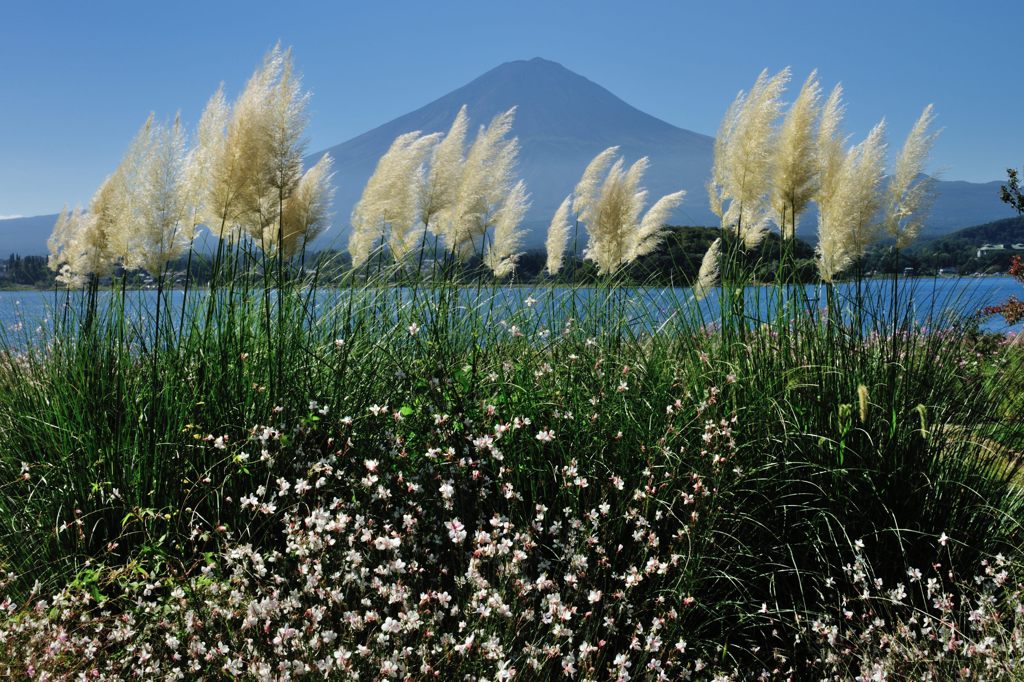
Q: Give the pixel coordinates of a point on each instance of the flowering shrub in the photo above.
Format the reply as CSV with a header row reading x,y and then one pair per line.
x,y
1013,310
387,568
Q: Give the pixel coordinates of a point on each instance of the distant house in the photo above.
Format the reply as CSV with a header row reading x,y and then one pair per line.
x,y
998,248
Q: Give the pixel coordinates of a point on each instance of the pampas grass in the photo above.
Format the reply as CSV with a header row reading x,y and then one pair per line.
x,y
558,236
390,206
503,252
744,153
707,276
441,182
847,214
795,167
485,180
610,211
909,195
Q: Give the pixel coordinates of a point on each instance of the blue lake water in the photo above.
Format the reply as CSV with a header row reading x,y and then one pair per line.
x,y
933,301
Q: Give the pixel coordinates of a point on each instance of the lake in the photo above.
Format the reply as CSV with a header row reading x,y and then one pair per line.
x,y
933,301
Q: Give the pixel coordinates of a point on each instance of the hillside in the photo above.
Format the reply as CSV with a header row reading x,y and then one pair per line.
x,y
960,248
562,121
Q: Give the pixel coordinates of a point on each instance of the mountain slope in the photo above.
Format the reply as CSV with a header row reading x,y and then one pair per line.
x,y
562,121
26,236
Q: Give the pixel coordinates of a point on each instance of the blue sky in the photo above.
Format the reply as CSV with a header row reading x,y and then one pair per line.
x,y
78,78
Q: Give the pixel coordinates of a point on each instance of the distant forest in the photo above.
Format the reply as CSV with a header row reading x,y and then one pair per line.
x,y
675,264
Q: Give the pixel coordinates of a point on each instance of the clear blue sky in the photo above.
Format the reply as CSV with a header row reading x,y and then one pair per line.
x,y
78,78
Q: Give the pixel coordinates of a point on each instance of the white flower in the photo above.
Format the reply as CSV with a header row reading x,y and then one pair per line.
x,y
456,531
546,436
414,329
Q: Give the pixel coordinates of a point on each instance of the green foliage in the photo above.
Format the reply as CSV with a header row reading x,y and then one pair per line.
x,y
957,250
1011,193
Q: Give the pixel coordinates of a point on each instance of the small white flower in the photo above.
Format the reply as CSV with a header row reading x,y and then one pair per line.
x,y
456,531
546,436
413,329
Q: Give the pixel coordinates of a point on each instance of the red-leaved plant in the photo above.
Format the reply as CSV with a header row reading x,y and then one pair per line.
x,y
1013,310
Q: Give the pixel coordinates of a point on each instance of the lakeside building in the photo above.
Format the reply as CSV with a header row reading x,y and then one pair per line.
x,y
999,248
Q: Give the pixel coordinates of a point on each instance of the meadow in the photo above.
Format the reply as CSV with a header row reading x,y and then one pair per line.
x,y
426,479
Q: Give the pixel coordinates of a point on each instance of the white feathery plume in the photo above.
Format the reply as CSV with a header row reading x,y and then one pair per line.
x,y
615,233
503,255
707,276
306,213
558,236
69,261
205,157
606,225
485,181
651,231
265,147
743,154
406,229
285,121
115,202
795,174
587,189
106,225
370,215
442,181
909,194
60,237
248,166
391,199
755,229
830,144
847,215
159,194
80,245
717,183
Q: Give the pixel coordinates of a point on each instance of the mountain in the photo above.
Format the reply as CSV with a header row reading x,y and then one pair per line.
x,y
562,121
959,204
1006,231
26,235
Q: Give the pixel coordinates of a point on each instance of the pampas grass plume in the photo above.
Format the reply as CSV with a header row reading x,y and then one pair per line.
x,y
442,181
909,195
485,181
558,236
306,213
707,276
795,172
503,253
